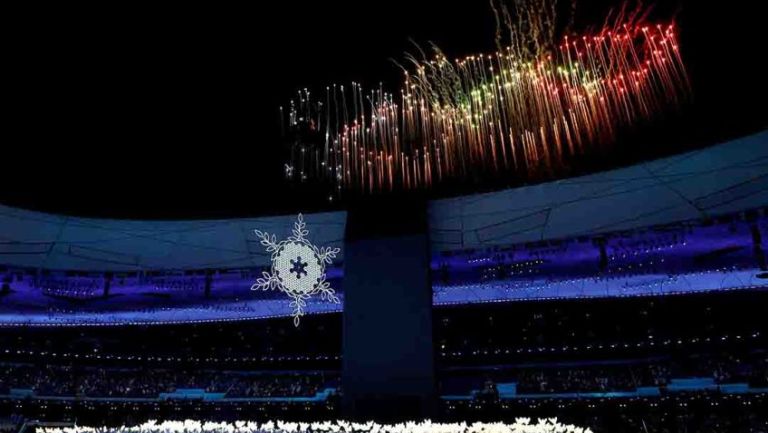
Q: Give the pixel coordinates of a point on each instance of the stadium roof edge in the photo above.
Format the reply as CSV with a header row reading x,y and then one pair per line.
x,y
723,179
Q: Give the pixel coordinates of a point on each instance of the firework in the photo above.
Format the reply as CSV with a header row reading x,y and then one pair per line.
x,y
526,109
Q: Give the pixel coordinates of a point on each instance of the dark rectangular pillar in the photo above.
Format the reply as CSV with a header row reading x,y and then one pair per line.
x,y
388,357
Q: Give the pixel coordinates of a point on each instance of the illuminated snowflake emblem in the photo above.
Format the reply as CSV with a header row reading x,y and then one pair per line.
x,y
298,268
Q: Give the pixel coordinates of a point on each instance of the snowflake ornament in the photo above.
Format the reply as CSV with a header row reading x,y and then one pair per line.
x,y
298,268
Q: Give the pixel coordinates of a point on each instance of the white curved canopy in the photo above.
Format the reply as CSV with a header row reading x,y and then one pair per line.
x,y
722,179
40,240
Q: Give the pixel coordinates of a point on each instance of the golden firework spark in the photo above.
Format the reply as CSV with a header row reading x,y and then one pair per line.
x,y
525,109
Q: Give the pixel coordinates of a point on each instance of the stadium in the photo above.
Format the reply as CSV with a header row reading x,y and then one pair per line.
x,y
499,246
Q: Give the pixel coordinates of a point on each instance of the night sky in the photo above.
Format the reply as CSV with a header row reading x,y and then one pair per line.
x,y
173,112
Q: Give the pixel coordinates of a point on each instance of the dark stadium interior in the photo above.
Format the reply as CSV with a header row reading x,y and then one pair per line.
x,y
200,224
651,347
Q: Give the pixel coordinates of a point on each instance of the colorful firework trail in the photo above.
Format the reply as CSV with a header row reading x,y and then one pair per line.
x,y
508,112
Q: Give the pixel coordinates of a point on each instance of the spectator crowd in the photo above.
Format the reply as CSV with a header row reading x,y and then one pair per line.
x,y
66,380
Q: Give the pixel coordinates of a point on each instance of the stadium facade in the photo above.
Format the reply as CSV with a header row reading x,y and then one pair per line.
x,y
687,224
